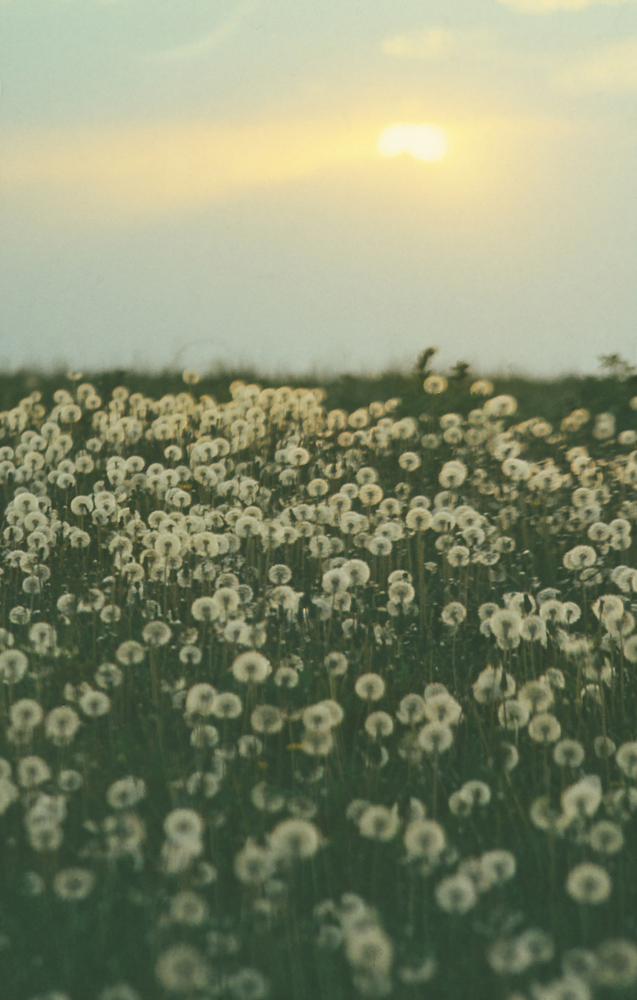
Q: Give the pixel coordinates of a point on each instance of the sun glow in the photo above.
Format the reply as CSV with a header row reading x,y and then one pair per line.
x,y
424,142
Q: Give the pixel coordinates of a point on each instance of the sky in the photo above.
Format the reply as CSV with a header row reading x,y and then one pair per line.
x,y
196,183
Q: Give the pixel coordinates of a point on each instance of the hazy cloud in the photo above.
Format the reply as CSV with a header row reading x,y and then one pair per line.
x,y
420,44
127,173
212,40
433,43
549,6
66,3
611,68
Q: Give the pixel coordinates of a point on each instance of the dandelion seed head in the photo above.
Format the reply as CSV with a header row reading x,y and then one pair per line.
x,y
435,738
370,687
295,838
568,753
181,968
73,884
615,964
498,866
251,667
379,823
589,884
456,894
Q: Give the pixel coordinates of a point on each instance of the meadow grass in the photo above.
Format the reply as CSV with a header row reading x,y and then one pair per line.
x,y
318,692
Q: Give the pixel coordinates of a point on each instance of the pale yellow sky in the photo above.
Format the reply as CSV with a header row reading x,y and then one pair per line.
x,y
209,175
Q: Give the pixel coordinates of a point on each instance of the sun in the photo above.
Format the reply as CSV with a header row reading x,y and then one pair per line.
x,y
424,142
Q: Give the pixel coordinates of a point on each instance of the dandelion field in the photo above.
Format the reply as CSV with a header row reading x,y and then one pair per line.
x,y
303,702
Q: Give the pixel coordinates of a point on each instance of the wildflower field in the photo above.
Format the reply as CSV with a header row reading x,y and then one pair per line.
x,y
309,703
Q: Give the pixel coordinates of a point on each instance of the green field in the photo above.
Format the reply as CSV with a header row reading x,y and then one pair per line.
x,y
318,693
